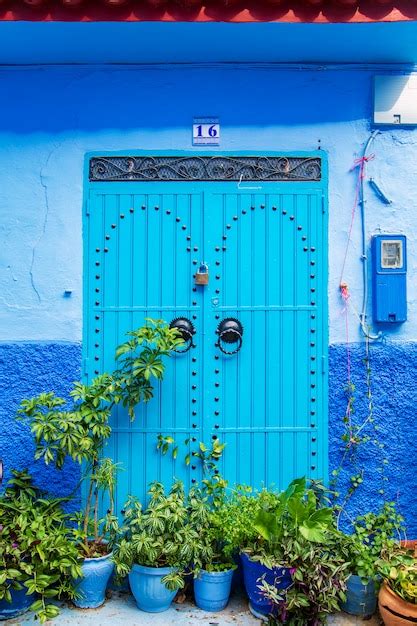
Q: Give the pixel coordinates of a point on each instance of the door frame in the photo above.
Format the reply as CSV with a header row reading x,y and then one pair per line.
x,y
321,185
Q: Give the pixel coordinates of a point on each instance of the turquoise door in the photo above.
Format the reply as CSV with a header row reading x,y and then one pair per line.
x,y
264,242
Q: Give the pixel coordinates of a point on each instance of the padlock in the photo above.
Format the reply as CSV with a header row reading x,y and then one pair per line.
x,y
202,275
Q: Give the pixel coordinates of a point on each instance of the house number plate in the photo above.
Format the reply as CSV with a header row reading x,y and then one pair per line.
x,y
206,131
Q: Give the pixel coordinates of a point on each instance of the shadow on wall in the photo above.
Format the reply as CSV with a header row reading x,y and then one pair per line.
x,y
26,370
52,99
393,372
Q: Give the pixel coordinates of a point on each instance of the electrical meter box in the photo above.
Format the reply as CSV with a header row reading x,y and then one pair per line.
x,y
389,279
395,100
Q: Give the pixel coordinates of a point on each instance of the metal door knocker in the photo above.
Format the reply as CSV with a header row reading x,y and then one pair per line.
x,y
230,331
186,331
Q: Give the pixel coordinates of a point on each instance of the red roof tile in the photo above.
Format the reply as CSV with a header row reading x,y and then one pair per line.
x,y
320,11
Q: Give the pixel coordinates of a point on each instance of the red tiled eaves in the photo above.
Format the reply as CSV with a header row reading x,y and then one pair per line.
x,y
296,11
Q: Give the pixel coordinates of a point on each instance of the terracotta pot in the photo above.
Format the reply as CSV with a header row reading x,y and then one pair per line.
x,y
410,544
394,610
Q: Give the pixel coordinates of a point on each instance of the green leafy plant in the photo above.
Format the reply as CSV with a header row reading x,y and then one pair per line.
x,y
81,430
159,536
141,360
36,552
210,550
297,515
79,433
164,442
398,568
319,572
373,534
296,530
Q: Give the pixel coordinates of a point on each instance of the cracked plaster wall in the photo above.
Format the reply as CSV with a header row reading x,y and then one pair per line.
x,y
52,116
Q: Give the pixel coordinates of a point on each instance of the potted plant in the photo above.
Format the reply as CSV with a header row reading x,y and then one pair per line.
x,y
295,545
397,600
81,431
37,558
371,536
156,547
212,565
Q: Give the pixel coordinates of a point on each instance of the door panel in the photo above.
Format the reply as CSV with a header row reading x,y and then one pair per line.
x,y
266,254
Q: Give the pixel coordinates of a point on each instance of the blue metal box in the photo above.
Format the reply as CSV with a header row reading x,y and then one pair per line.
x,y
389,255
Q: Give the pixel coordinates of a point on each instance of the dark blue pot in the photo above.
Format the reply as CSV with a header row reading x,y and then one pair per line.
x,y
212,590
92,587
149,591
20,604
253,573
360,599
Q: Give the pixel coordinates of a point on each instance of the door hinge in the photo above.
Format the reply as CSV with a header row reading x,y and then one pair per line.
x,y
86,362
323,365
87,207
323,204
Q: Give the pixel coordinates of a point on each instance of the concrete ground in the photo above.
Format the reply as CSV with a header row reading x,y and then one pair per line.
x,y
121,609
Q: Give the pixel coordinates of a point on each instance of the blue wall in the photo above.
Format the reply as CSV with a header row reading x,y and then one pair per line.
x,y
52,116
27,369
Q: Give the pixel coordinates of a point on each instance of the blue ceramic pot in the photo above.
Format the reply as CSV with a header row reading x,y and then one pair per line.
x,y
212,589
253,573
20,604
149,591
360,599
92,587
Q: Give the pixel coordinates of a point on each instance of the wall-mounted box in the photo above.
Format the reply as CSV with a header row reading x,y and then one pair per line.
x,y
389,278
395,100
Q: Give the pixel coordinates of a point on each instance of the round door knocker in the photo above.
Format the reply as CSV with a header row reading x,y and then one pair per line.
x,y
186,331
230,331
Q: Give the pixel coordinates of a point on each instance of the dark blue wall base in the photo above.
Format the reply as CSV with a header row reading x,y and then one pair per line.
x,y
27,369
394,391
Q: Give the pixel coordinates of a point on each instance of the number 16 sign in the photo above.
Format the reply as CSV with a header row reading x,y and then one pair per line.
x,y
206,131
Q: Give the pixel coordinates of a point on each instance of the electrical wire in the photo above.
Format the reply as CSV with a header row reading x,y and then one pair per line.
x,y
362,316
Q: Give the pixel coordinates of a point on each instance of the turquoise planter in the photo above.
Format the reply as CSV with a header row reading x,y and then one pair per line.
x,y
20,604
149,591
212,590
360,599
92,587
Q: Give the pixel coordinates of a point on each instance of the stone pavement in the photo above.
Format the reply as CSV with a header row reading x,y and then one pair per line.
x,y
121,609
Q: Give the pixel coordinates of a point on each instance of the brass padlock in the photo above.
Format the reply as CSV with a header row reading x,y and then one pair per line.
x,y
202,275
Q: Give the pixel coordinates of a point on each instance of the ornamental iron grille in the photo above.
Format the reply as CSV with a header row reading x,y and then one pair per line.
x,y
205,168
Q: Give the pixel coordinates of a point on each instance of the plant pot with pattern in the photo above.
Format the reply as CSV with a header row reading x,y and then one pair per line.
x,y
156,547
37,557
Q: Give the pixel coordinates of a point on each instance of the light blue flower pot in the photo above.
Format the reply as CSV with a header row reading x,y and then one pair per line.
x,y
360,599
20,604
149,591
212,590
92,587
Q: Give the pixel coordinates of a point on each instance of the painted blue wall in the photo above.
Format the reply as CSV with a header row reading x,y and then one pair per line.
x,y
51,116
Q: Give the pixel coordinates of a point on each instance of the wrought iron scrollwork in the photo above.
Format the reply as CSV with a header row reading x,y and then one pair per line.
x,y
205,168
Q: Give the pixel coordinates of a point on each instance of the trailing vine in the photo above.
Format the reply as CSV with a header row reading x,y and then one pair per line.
x,y
358,432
